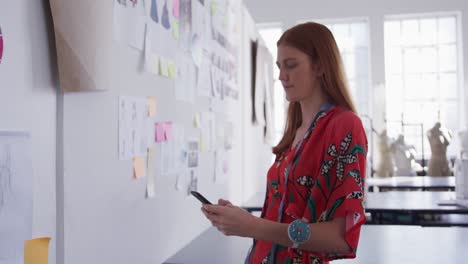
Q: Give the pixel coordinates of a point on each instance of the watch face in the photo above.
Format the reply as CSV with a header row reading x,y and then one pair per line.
x,y
299,231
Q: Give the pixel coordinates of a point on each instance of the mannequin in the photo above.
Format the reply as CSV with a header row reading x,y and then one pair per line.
x,y
439,139
386,167
405,157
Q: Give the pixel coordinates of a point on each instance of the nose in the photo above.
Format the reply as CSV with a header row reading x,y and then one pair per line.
x,y
283,76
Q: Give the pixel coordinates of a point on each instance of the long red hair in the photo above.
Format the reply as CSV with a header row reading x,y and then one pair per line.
x,y
317,41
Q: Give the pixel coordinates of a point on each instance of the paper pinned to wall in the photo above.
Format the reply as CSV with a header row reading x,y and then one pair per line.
x,y
16,195
193,149
152,38
1,45
133,127
185,29
186,77
192,182
84,41
201,31
208,131
151,167
173,152
221,166
36,251
130,22
204,87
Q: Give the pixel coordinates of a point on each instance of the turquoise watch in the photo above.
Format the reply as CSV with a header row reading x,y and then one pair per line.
x,y
298,232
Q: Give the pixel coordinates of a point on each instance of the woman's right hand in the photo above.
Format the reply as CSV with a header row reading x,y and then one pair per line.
x,y
224,202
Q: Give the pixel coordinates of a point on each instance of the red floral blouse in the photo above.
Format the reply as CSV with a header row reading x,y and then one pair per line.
x,y
325,182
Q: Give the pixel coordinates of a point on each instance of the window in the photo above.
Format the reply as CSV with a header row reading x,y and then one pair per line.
x,y
270,34
352,38
422,77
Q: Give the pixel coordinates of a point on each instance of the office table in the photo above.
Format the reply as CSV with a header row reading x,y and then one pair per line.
x,y
401,207
380,244
423,183
420,208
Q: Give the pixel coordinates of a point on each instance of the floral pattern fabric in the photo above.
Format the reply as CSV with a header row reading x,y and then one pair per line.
x,y
326,181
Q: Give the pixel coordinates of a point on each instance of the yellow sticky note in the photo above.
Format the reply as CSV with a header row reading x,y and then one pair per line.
x,y
151,106
36,251
138,167
196,120
213,8
175,30
202,144
172,69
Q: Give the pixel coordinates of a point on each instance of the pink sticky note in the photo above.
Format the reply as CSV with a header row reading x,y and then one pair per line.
x,y
168,130
160,137
176,5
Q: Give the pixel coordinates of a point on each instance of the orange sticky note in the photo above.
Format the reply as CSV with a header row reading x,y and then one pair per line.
x,y
36,251
151,106
138,167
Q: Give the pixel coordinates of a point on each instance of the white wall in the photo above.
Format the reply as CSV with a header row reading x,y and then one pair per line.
x,y
256,162
104,216
28,99
289,12
84,198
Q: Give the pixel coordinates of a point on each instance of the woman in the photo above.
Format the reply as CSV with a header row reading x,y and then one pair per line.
x,y
313,207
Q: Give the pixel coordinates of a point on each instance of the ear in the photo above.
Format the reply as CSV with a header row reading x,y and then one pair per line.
x,y
317,69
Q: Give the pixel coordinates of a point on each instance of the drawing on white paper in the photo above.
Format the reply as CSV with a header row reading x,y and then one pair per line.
x,y
15,195
193,184
192,153
5,174
133,127
130,22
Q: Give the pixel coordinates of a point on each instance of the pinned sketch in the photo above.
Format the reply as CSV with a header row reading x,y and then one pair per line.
x,y
133,127
204,79
173,152
192,153
208,132
228,135
186,76
1,44
201,24
221,166
151,167
16,192
130,22
185,29
5,175
193,182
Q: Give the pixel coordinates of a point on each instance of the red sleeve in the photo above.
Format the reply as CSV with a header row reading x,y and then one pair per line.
x,y
342,177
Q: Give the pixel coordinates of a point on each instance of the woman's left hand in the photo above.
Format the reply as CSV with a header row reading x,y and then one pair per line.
x,y
229,219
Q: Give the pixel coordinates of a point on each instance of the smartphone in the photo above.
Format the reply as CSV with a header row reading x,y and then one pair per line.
x,y
200,197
